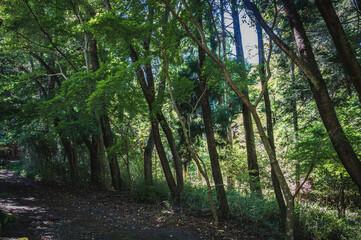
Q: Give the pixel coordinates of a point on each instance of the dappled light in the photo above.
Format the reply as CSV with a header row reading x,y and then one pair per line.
x,y
191,119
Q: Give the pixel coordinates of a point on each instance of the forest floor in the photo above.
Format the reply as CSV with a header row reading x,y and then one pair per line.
x,y
62,212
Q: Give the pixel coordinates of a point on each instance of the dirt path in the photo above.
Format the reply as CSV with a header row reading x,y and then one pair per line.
x,y
60,213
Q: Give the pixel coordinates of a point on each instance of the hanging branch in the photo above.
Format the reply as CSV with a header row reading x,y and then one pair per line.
x,y
48,36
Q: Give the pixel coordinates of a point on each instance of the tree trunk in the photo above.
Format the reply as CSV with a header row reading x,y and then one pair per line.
x,y
223,26
148,151
211,142
112,157
253,169
308,65
97,175
338,138
167,131
176,159
105,127
346,55
295,129
71,154
271,154
164,161
107,5
149,94
267,103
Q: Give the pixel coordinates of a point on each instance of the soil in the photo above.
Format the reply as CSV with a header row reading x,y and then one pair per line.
x,y
47,212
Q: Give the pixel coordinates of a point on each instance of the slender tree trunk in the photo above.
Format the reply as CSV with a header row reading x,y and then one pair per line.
x,y
97,176
346,55
148,91
253,168
107,5
267,103
112,157
223,26
163,159
176,159
148,152
71,154
189,145
308,65
168,133
69,149
358,2
211,142
271,154
105,127
318,87
295,129
96,147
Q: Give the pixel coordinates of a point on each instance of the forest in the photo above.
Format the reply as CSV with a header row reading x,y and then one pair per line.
x,y
161,102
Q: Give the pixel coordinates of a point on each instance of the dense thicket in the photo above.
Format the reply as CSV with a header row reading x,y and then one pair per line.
x,y
133,95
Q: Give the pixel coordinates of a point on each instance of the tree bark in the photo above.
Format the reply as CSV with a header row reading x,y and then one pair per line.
x,y
253,169
176,159
97,175
149,94
338,138
267,103
295,129
105,126
167,131
148,151
211,142
112,157
69,149
346,55
107,5
96,148
164,161
71,154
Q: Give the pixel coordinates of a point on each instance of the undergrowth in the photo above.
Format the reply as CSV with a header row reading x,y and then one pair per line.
x,y
255,215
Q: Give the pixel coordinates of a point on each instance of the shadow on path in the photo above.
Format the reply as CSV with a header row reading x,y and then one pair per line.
x,y
45,212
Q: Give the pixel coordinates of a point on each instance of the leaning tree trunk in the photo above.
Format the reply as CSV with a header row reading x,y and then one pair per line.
x,y
211,142
163,159
149,94
168,133
176,159
346,55
267,103
271,154
319,90
148,152
253,168
308,65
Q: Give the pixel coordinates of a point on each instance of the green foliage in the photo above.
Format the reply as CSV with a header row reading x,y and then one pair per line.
x,y
182,90
152,194
7,219
323,223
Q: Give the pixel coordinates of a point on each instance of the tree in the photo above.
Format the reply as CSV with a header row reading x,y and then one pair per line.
x,y
308,65
247,118
346,54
